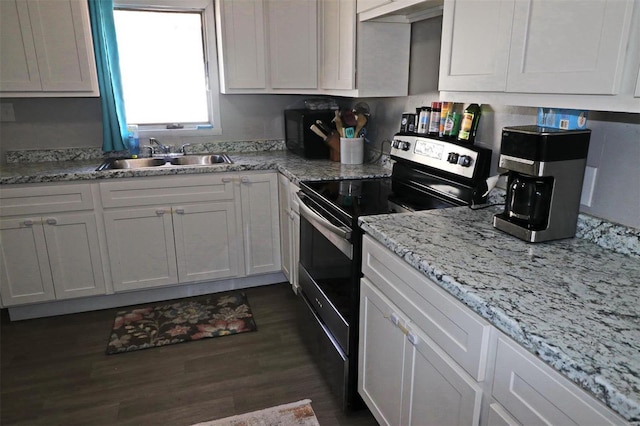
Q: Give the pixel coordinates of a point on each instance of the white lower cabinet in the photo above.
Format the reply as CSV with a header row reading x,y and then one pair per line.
x,y
533,393
289,230
405,378
154,244
260,222
48,254
422,357
180,229
426,359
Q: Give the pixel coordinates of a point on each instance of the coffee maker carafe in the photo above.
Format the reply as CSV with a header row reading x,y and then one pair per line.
x,y
545,172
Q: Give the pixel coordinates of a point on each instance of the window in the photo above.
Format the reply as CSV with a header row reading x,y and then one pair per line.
x,y
168,66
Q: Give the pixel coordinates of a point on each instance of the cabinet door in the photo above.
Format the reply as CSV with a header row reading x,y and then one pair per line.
x,y
241,42
337,26
475,45
381,356
24,262
74,254
569,47
20,72
141,248
293,44
259,195
63,44
533,393
439,392
286,237
206,241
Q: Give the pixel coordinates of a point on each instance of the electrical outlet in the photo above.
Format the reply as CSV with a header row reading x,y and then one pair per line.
x,y
588,185
6,112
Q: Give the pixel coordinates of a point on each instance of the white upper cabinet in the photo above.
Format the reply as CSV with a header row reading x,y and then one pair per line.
x,y
475,45
564,54
337,44
293,51
309,47
46,49
241,44
265,45
568,47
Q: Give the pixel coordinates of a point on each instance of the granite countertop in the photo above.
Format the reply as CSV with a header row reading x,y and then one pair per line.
x,y
291,165
571,302
574,302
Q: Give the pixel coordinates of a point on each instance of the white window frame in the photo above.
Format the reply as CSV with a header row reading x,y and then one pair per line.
x,y
211,63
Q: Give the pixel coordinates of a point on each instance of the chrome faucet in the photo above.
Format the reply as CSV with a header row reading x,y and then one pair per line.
x,y
163,148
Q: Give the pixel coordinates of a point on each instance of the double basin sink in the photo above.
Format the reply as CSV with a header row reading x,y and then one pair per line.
x,y
182,160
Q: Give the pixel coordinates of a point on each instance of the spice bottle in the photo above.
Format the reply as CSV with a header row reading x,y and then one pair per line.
x,y
452,124
434,119
444,110
423,121
469,124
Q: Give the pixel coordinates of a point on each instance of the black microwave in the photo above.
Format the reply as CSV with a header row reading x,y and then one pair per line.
x,y
298,135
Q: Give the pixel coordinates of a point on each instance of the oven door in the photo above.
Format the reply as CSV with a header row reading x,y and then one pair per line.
x,y
326,271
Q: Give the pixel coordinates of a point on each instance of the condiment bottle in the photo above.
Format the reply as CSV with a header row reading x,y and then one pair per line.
x,y
452,123
423,121
444,110
434,119
469,125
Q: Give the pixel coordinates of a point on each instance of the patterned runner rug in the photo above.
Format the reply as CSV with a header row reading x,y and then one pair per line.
x,y
294,414
182,321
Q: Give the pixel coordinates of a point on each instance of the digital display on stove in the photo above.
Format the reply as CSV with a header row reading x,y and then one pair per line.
x,y
429,149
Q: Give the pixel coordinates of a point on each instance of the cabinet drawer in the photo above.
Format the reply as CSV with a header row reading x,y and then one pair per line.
x,y
165,190
459,332
535,394
53,198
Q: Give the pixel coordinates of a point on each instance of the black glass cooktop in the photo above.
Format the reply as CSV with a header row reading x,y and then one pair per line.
x,y
365,197
355,197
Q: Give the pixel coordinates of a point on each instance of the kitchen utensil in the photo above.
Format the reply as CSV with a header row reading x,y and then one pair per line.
x,y
349,132
318,132
338,122
349,118
325,129
361,120
361,108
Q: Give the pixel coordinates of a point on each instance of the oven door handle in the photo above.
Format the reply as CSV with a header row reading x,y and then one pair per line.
x,y
314,217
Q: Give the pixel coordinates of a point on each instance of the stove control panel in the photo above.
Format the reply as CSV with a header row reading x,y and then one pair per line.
x,y
435,153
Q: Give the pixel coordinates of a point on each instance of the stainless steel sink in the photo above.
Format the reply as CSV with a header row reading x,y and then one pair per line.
x,y
183,160
201,160
135,163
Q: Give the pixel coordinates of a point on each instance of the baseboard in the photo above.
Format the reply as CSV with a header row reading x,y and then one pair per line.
x,y
63,307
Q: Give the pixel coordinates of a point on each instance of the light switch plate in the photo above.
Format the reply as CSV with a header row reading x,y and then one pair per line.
x,y
588,185
6,112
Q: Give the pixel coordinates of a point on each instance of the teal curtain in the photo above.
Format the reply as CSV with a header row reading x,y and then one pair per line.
x,y
114,122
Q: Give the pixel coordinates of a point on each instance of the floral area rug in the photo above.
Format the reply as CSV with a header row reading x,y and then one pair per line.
x,y
182,321
294,414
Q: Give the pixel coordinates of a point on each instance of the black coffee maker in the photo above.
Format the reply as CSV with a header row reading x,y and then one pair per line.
x,y
545,173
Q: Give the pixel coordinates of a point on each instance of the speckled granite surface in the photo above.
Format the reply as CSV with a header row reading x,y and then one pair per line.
x,y
293,166
571,302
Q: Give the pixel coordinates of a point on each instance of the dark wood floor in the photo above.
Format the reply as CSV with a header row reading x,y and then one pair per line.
x,y
54,371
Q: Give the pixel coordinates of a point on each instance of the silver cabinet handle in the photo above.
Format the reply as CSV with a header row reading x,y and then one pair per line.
x,y
160,212
245,179
28,222
226,179
180,211
51,221
412,338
